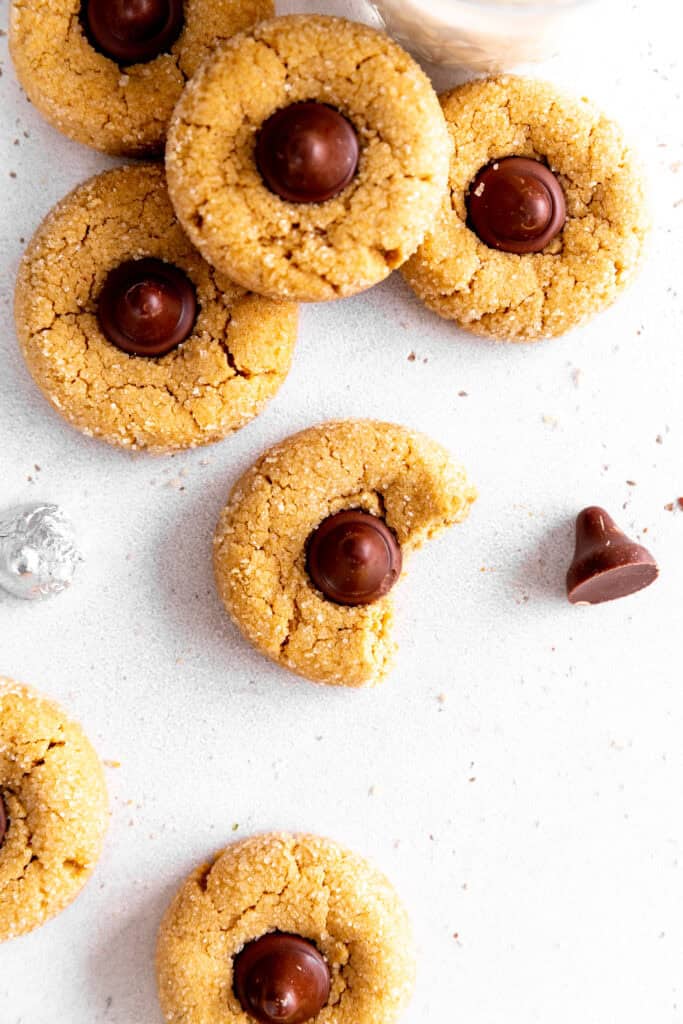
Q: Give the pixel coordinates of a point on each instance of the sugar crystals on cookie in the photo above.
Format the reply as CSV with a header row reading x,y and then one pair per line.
x,y
544,220
108,72
314,537
130,334
308,157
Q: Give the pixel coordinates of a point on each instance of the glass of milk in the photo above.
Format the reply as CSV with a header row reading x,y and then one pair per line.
x,y
487,35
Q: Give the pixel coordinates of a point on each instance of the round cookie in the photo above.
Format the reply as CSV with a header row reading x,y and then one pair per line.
x,y
264,534
235,359
118,106
54,799
297,885
308,250
505,295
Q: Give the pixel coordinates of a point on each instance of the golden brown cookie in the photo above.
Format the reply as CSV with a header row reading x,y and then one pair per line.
x,y
263,539
235,358
298,885
308,250
115,103
523,297
53,809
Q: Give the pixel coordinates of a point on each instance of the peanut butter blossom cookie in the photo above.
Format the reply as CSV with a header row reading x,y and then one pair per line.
x,y
308,159
284,929
130,334
544,221
314,536
53,809
109,72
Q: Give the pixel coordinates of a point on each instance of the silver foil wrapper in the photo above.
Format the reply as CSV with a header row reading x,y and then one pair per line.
x,y
38,551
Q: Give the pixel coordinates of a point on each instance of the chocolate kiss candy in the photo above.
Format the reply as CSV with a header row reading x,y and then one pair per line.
x,y
39,554
307,152
353,558
133,31
3,820
281,979
516,205
606,563
147,307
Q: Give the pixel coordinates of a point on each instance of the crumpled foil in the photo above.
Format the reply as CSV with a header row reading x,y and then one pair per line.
x,y
38,551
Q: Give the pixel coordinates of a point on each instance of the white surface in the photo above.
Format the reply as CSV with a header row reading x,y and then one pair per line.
x,y
535,809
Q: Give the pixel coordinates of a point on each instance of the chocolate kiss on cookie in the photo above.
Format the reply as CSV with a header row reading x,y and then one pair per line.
x,y
307,152
606,564
516,205
354,558
133,31
281,979
147,307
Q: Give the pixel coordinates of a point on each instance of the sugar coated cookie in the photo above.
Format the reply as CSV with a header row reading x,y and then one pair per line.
x,y
130,334
308,158
545,218
285,929
53,809
109,72
313,538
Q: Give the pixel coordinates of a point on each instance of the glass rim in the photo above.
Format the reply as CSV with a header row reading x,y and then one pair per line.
x,y
528,8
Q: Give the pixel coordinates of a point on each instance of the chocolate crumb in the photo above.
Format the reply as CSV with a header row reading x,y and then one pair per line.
x,y
411,357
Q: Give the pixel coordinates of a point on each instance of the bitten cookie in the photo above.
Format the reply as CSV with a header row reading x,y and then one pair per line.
x,y
308,158
545,218
109,72
285,928
131,336
313,537
53,809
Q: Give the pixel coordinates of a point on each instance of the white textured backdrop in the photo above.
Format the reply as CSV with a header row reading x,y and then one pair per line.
x,y
520,775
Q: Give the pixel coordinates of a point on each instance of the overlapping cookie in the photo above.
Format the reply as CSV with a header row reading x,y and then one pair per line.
x,y
313,538
283,929
544,220
130,334
109,72
53,809
307,159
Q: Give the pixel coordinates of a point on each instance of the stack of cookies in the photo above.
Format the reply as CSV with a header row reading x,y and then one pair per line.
x,y
306,159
